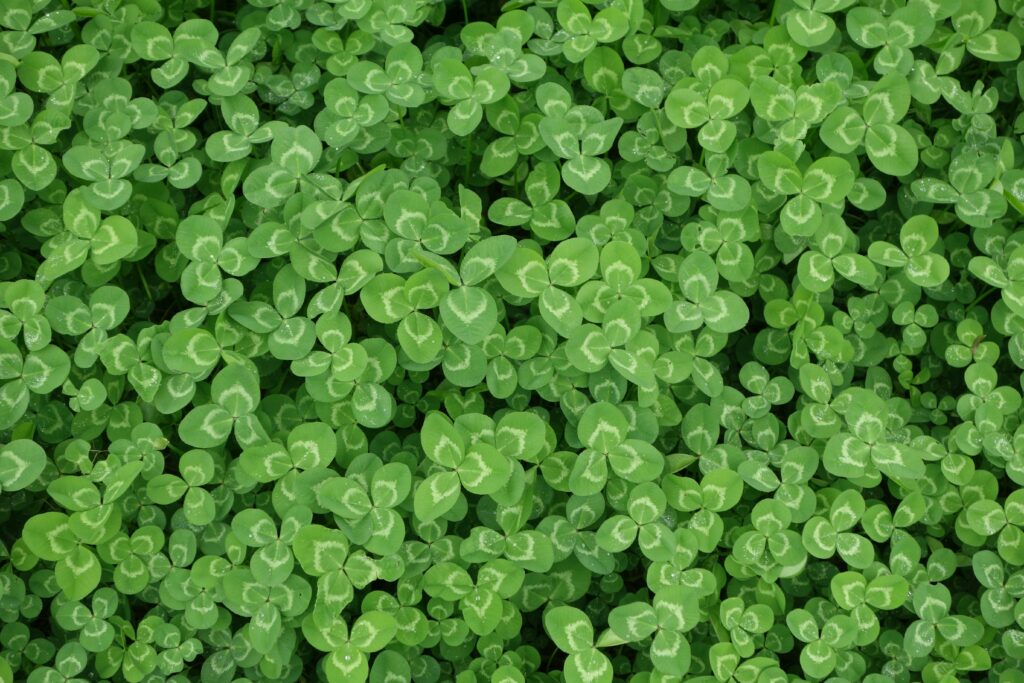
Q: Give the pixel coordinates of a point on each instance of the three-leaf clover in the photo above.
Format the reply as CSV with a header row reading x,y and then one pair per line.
x,y
770,548
826,181
818,657
235,395
704,304
201,240
38,372
294,153
571,631
688,107
865,449
468,92
918,236
579,135
585,32
890,146
478,467
368,517
604,431
672,613
896,34
196,469
969,190
397,81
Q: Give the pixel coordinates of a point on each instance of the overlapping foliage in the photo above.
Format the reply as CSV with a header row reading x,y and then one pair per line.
x,y
547,340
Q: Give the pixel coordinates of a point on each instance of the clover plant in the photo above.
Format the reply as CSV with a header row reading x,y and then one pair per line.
x,y
511,341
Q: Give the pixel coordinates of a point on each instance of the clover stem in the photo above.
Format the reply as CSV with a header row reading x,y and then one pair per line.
x,y
981,297
465,10
125,610
145,285
275,53
551,657
657,123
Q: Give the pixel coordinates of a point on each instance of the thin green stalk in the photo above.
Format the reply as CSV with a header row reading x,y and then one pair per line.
x,y
981,297
145,285
660,14
657,122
